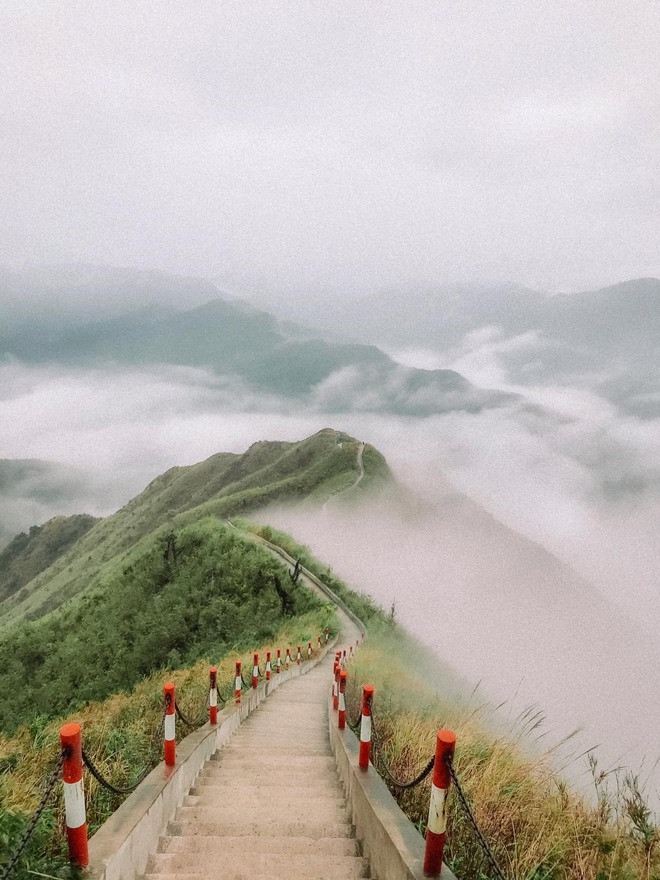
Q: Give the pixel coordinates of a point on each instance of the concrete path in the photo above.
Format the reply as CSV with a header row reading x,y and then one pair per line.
x,y
269,804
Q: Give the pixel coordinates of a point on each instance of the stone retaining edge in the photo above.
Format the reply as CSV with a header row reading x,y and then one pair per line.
x,y
390,841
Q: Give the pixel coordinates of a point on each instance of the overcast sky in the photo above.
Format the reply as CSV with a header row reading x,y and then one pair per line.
x,y
318,145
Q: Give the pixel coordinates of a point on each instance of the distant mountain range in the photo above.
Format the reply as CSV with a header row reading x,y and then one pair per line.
x,y
234,339
607,339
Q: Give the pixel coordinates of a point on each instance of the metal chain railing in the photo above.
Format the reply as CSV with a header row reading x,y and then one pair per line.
x,y
382,767
115,789
32,824
201,716
487,851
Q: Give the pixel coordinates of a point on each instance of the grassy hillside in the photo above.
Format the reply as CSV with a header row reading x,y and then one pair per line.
x,y
193,593
28,554
224,485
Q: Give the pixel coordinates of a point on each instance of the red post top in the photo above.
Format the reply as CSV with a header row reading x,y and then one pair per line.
x,y
71,742
268,656
367,696
256,659
213,676
168,693
238,667
279,652
343,675
309,645
445,743
299,649
337,671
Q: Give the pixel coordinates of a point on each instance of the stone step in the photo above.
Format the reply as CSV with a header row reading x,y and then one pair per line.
x,y
242,799
242,762
236,749
269,778
273,812
240,875
253,792
229,827
213,845
248,864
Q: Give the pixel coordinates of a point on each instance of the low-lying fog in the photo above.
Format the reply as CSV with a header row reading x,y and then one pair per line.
x,y
472,574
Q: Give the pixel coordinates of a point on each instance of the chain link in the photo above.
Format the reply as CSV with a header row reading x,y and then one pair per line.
x,y
201,717
32,824
490,858
115,789
385,770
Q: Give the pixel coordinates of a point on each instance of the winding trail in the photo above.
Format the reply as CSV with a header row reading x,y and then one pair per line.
x,y
269,804
355,483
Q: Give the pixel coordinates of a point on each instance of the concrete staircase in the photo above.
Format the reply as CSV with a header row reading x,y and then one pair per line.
x,y
269,804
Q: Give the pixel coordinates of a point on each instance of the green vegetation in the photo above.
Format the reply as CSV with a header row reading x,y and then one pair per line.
x,y
222,486
192,593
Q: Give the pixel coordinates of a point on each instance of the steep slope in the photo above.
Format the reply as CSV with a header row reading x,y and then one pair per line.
x,y
28,554
223,485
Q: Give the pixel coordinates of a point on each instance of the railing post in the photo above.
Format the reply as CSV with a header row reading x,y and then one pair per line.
x,y
319,643
169,734
350,653
74,794
436,828
213,695
278,665
238,683
335,701
255,671
327,634
341,722
268,666
365,726
298,656
287,659
309,650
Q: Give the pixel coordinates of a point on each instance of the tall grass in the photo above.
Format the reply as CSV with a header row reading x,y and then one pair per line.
x,y
538,828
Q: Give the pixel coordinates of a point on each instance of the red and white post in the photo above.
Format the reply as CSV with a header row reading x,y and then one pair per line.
x,y
278,665
287,659
268,669
255,670
365,727
213,695
341,722
436,828
319,643
238,683
309,650
335,686
350,653
298,656
74,794
327,634
343,660
169,735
